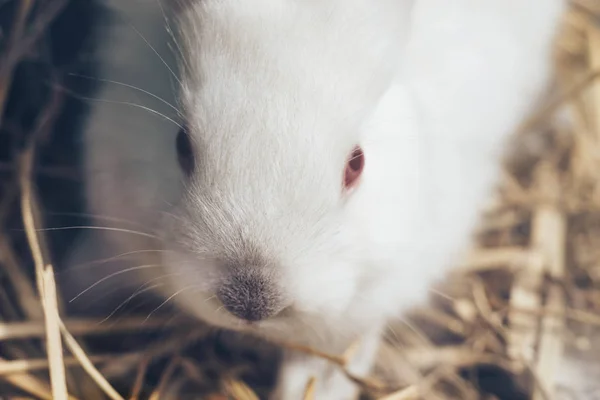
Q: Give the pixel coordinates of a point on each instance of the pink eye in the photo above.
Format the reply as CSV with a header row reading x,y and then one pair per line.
x,y
354,167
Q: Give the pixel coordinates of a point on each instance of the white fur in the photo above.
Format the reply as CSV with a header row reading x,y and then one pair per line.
x,y
276,93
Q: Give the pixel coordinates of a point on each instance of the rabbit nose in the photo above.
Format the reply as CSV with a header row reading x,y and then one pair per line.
x,y
250,296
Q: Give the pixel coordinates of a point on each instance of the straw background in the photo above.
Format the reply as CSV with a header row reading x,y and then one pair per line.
x,y
519,318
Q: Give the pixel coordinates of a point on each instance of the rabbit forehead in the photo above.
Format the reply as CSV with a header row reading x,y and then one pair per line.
x,y
295,57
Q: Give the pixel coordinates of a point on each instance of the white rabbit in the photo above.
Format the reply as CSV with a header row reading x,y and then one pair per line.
x,y
334,157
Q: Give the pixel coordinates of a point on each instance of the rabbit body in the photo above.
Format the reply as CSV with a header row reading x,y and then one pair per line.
x,y
274,96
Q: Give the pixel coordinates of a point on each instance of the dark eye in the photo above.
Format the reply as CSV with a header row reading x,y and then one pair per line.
x,y
354,167
185,154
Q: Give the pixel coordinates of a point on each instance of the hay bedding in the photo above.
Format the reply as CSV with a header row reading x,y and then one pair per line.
x,y
518,319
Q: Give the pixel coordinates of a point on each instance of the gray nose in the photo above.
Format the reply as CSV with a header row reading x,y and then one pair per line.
x,y
249,295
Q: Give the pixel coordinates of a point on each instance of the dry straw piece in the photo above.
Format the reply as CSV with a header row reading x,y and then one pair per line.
x,y
524,303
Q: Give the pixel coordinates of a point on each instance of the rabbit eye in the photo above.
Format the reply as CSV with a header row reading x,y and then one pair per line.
x,y
354,167
185,154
